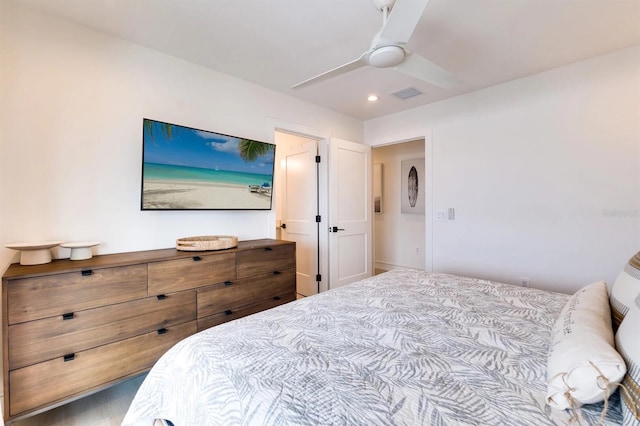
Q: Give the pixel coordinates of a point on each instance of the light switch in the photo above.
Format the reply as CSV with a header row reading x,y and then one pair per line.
x,y
451,213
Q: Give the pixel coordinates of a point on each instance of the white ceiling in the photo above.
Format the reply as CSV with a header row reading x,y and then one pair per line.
x,y
277,43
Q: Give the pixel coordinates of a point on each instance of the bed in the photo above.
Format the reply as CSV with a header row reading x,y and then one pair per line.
x,y
402,348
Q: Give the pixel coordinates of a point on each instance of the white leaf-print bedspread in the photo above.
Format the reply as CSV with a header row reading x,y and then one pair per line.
x,y
402,348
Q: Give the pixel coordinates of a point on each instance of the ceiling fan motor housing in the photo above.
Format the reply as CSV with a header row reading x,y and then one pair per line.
x,y
381,4
386,56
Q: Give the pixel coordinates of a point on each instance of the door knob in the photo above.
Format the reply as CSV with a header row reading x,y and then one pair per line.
x,y
283,226
335,229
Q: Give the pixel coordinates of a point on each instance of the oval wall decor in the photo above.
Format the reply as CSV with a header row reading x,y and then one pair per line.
x,y
412,186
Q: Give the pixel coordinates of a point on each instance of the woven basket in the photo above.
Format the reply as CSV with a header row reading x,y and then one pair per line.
x,y
209,242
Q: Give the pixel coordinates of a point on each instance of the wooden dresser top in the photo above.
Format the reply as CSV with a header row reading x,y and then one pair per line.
x,y
123,259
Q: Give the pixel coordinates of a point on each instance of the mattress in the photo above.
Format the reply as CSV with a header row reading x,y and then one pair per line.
x,y
401,348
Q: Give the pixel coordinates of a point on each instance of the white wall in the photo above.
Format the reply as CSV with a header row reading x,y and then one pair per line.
x,y
544,173
70,134
399,238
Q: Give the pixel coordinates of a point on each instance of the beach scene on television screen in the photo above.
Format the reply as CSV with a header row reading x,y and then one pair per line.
x,y
185,169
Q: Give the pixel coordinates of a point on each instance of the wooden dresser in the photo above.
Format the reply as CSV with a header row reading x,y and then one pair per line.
x,y
71,328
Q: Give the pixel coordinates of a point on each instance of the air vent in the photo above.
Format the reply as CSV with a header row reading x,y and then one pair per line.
x,y
407,93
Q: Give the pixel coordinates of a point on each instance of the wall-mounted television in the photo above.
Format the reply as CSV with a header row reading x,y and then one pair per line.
x,y
190,169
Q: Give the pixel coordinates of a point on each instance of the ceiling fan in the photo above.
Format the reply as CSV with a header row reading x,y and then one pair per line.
x,y
399,20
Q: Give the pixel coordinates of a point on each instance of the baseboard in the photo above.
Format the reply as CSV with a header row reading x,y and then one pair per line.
x,y
386,266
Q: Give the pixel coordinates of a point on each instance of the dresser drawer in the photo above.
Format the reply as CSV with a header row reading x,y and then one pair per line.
x,y
41,297
219,318
222,297
56,380
266,259
48,338
182,274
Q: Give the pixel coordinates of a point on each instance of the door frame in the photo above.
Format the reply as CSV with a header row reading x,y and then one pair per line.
x,y
427,135
323,184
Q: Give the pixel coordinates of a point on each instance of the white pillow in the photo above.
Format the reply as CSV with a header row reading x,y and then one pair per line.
x,y
628,344
582,360
625,289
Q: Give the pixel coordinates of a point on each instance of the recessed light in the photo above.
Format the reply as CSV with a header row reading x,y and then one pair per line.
x,y
372,98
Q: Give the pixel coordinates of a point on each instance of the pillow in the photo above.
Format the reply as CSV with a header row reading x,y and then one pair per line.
x,y
628,344
583,366
625,289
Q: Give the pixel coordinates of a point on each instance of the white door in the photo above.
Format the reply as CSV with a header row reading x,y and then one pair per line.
x,y
350,211
300,207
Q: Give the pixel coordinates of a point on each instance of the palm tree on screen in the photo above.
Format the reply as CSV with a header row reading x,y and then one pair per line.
x,y
252,150
151,126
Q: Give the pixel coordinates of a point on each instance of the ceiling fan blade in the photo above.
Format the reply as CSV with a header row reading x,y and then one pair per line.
x,y
402,21
418,67
342,69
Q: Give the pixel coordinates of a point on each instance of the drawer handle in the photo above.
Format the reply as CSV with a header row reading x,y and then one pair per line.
x,y
277,298
197,258
276,272
228,312
228,283
162,331
268,249
87,272
68,316
69,357
161,296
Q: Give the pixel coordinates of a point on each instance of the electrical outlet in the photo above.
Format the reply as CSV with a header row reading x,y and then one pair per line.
x,y
525,281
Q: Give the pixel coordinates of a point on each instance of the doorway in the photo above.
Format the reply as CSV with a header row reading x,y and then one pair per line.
x,y
399,238
323,203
